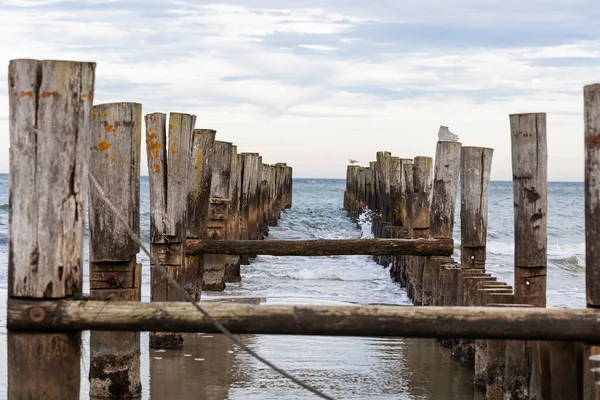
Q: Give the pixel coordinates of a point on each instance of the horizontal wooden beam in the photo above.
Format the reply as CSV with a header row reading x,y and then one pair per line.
x,y
324,247
403,321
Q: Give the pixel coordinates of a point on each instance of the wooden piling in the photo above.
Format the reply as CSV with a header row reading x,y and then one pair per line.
x,y
50,115
422,181
218,215
530,196
591,99
199,182
168,170
114,271
443,203
233,262
475,169
476,165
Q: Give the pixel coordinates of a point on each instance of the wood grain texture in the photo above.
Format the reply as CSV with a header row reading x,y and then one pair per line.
x,y
474,322
591,95
115,163
181,128
323,247
43,365
114,274
50,113
445,187
156,150
476,167
50,117
530,196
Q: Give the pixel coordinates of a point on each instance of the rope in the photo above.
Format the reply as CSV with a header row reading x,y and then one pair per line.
x,y
179,288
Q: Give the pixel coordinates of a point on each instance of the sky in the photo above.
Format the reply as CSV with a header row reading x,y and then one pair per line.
x,y
314,83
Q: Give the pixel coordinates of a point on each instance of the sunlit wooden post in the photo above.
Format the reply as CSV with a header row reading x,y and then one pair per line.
x,y
114,272
50,116
168,170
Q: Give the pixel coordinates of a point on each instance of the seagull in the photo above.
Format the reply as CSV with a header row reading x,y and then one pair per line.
x,y
444,135
351,161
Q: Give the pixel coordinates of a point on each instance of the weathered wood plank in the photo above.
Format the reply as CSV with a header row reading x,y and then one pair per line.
x,y
50,116
323,247
475,322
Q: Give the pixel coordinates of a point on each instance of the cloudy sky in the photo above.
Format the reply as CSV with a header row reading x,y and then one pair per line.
x,y
313,83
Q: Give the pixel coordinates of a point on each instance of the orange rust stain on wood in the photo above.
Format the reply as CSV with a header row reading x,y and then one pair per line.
x,y
170,126
117,123
109,128
112,160
594,139
154,145
27,94
104,115
156,168
94,113
173,151
45,95
90,97
103,145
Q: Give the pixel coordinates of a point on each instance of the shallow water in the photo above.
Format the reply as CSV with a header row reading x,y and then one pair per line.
x,y
210,367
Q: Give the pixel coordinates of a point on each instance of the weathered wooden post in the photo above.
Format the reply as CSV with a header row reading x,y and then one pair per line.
x,y
404,261
422,180
114,271
50,116
591,99
232,263
476,165
168,170
247,197
530,196
218,215
290,186
198,197
443,203
263,208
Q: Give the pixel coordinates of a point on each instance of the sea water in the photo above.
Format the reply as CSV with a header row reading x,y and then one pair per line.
x,y
210,367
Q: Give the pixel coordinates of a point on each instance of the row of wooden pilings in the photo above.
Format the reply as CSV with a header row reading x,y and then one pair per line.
x,y
200,188
416,198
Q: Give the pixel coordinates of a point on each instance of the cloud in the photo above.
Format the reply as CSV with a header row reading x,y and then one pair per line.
x,y
316,82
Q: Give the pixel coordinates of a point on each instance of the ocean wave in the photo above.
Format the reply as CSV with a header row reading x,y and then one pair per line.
x,y
554,250
365,224
572,263
3,207
311,274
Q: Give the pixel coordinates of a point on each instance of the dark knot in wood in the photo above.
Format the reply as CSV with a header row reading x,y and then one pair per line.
x,y
37,314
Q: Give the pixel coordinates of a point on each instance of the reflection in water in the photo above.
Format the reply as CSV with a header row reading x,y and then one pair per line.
x,y
203,369
211,367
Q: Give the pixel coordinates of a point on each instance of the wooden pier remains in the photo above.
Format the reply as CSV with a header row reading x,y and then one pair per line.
x,y
210,208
